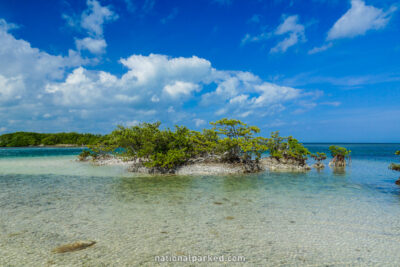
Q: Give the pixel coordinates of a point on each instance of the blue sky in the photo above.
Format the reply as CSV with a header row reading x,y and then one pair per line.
x,y
316,69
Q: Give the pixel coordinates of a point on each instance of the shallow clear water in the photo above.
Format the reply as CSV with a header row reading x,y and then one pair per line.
x,y
48,199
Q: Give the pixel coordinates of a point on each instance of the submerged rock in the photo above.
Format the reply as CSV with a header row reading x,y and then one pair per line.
x,y
79,245
398,182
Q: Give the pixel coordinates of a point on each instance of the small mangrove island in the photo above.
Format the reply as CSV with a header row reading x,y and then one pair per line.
x,y
228,147
339,156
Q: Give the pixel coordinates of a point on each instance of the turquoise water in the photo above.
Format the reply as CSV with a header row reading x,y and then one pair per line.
x,y
38,152
48,199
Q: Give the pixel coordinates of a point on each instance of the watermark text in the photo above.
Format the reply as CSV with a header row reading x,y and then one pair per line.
x,y
199,258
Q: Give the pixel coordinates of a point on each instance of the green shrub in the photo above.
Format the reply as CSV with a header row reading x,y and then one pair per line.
x,y
319,157
339,151
238,140
395,166
287,148
84,155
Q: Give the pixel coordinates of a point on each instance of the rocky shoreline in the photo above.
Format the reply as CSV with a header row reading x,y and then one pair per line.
x,y
207,167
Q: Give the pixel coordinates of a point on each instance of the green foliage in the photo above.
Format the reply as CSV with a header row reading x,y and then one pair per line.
x,y
338,151
238,140
136,141
205,142
295,150
276,145
319,156
287,148
157,148
233,129
50,140
168,160
20,139
84,155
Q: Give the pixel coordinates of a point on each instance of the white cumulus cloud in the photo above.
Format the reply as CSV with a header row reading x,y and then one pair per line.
x,y
170,82
22,66
34,83
180,88
11,88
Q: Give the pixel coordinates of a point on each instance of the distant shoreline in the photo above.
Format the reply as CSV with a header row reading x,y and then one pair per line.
x,y
85,146
47,146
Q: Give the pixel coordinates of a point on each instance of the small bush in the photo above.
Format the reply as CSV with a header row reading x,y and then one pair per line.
x,y
394,167
319,157
287,148
84,155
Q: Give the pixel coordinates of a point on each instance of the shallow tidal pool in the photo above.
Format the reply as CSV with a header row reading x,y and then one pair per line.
x,y
47,199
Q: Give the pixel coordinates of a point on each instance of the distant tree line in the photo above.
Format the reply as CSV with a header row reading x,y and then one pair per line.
x,y
20,139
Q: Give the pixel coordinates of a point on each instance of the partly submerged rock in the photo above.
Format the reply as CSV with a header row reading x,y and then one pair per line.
x,y
394,167
79,245
398,182
210,165
318,165
218,168
337,163
114,161
283,165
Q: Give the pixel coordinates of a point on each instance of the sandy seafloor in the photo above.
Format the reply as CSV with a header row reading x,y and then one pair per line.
x,y
279,219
